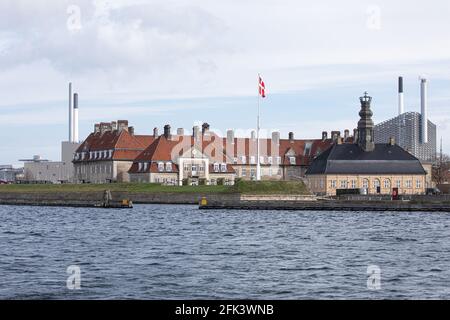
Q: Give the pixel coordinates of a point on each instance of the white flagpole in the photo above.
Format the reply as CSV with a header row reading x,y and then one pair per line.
x,y
258,165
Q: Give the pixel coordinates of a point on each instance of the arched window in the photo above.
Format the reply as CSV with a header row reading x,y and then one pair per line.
x,y
365,183
376,183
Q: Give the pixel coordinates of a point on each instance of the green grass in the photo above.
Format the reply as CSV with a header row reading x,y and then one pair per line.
x,y
262,187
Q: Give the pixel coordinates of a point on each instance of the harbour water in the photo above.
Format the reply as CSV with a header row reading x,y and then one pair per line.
x,y
181,252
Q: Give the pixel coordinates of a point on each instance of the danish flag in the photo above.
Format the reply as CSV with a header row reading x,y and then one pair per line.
x,y
262,88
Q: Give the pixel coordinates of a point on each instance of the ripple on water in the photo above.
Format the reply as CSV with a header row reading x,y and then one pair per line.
x,y
170,252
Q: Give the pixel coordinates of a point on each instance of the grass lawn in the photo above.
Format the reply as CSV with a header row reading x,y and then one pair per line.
x,y
248,187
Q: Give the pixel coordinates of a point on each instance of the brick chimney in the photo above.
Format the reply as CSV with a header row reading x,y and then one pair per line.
x,y
196,132
155,132
291,137
131,130
180,132
97,128
113,125
335,135
253,135
167,131
205,128
276,138
324,135
230,136
346,134
122,125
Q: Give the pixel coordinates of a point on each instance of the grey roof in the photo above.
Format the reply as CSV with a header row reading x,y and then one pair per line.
x,y
351,159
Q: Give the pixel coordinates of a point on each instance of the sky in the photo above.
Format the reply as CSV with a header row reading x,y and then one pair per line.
x,y
187,62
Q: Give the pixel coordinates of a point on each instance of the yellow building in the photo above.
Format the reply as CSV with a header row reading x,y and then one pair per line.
x,y
372,168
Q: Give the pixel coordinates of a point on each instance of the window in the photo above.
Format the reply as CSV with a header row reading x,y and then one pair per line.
x,y
139,166
110,153
252,160
307,149
365,183
387,184
216,167
408,184
160,166
398,184
169,166
333,184
270,172
186,167
353,182
270,160
244,172
321,183
235,160
145,166
418,184
278,160
376,183
223,167
292,160
252,173
261,160
343,184
201,168
244,159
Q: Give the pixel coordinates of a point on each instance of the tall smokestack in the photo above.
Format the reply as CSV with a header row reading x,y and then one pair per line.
x,y
75,118
424,109
70,114
401,102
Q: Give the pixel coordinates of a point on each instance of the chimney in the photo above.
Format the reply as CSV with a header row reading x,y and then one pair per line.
x,y
324,135
253,135
355,135
113,125
97,128
346,134
155,132
167,131
276,138
131,130
122,125
75,118
339,140
105,127
180,132
401,103
70,114
424,109
291,137
230,136
335,135
391,141
196,132
205,128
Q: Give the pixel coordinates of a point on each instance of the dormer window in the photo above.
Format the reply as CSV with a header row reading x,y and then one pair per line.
x,y
160,166
145,166
278,160
140,165
270,160
168,166
216,167
292,160
244,159
223,167
110,153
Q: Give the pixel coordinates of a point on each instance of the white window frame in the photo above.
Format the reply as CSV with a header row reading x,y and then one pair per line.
x,y
216,167
223,167
169,166
292,160
161,166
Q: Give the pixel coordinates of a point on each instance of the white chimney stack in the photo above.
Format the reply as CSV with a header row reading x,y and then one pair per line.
x,y
70,114
424,109
75,118
401,102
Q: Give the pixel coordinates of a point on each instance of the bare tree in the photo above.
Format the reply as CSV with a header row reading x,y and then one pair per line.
x,y
441,168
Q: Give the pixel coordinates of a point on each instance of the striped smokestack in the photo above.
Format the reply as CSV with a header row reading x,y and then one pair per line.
x,y
401,103
75,118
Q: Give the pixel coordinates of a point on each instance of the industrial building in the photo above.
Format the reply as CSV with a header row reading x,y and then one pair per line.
x,y
376,168
44,171
412,131
9,174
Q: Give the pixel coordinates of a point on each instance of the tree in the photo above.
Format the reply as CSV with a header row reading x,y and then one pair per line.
x,y
441,168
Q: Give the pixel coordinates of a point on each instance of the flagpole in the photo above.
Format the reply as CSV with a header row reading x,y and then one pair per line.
x,y
258,165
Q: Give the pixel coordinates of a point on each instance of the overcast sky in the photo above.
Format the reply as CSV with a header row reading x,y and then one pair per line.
x,y
188,61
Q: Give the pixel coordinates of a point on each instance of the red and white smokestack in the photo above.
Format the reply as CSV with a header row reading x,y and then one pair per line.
x,y
401,102
75,118
424,109
70,114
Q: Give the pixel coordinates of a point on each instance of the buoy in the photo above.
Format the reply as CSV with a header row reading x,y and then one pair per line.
x,y
203,202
